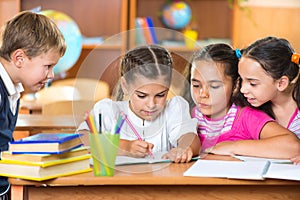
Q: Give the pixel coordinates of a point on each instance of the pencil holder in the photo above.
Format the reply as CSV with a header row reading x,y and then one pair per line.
x,y
104,149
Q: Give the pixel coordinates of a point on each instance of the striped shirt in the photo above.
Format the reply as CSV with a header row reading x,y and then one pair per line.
x,y
214,127
238,124
294,124
209,129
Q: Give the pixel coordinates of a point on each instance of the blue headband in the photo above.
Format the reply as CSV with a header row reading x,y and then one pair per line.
x,y
238,53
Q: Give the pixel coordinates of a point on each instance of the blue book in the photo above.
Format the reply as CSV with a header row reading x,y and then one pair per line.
x,y
152,30
46,143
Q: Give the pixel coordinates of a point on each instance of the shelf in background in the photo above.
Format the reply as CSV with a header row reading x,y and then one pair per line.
x,y
104,46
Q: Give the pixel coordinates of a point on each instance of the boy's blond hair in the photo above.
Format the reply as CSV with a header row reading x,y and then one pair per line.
x,y
33,33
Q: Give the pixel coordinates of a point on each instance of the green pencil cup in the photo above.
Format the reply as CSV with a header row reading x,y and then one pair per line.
x,y
104,148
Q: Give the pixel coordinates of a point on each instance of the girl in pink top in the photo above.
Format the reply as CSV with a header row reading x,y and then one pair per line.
x,y
269,70
223,127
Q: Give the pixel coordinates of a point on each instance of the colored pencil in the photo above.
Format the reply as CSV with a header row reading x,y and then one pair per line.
x,y
89,119
135,131
132,127
119,124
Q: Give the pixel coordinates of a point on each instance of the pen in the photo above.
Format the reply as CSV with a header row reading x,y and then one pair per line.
x,y
100,123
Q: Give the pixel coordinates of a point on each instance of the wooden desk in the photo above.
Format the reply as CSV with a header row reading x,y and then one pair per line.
x,y
152,181
32,106
42,123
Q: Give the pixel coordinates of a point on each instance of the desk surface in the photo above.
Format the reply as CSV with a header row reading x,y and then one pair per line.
x,y
151,174
153,181
32,105
28,122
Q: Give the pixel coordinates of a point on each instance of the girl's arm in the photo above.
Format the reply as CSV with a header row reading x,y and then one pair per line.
x,y
188,146
190,140
183,131
275,142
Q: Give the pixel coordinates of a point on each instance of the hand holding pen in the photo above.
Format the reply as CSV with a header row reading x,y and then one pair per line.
x,y
138,147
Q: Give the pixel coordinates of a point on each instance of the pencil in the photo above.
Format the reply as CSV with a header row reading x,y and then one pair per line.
x,y
120,124
92,123
132,127
135,132
89,119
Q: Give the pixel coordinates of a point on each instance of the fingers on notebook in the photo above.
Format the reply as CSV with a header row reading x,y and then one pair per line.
x,y
296,160
179,155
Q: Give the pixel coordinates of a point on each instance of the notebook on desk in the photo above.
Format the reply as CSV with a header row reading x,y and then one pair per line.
x,y
251,169
228,169
126,160
272,160
283,171
157,158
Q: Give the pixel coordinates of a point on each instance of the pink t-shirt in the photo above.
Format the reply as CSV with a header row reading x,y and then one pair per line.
x,y
237,124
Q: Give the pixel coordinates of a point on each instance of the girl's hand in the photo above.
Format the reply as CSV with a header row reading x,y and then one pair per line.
x,y
179,155
296,160
138,149
223,148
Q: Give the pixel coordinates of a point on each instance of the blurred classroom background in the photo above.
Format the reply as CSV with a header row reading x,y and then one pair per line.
x,y
104,30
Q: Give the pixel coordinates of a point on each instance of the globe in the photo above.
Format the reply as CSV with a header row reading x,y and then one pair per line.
x,y
176,14
73,38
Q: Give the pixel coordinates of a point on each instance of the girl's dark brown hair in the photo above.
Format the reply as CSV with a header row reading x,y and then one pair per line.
x,y
274,56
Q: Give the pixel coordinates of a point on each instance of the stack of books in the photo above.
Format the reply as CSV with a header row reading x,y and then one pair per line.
x,y
45,156
145,31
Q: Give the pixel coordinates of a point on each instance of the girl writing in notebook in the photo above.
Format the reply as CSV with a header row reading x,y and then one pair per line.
x,y
158,124
223,127
269,70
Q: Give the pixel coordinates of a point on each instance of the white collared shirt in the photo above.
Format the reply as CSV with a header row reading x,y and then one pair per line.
x,y
164,132
14,90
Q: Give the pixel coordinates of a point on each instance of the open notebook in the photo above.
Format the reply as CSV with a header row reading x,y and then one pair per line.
x,y
252,169
272,160
125,160
283,171
157,158
228,169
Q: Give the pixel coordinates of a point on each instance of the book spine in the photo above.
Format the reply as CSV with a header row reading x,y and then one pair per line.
x,y
44,152
47,138
139,35
146,30
152,30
